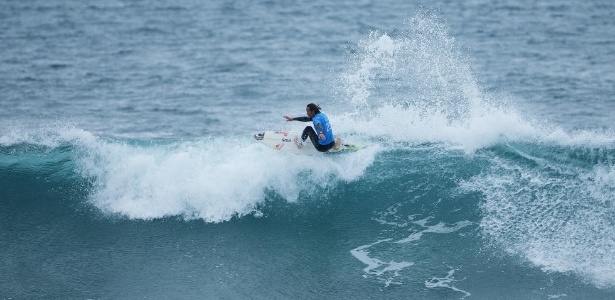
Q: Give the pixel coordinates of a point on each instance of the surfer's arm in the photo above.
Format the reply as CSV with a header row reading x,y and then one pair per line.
x,y
320,131
301,119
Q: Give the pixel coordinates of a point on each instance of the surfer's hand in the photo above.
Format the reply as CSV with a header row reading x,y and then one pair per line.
x,y
321,136
288,118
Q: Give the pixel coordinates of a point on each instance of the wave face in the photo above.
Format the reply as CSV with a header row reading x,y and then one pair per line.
x,y
546,203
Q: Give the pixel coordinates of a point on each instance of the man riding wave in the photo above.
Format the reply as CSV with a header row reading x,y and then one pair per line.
x,y
321,134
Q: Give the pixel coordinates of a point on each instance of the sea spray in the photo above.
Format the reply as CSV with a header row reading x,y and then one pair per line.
x,y
416,87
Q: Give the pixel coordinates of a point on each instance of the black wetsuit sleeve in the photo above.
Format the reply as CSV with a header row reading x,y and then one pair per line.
x,y
302,119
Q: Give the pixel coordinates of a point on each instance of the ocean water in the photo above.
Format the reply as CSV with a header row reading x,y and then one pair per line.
x,y
128,168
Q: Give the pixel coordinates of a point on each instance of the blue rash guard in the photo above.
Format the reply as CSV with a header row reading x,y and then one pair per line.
x,y
322,125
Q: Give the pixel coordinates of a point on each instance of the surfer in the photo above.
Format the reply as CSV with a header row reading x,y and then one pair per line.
x,y
321,135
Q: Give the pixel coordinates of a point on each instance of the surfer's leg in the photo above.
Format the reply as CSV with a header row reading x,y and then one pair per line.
x,y
309,132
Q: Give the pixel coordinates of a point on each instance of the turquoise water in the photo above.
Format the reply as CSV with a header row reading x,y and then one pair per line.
x,y
128,170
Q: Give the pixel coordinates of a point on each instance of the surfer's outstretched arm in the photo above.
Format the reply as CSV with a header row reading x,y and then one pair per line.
x,y
301,119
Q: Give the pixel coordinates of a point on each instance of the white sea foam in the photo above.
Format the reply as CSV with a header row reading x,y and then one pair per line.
x,y
213,179
387,271
439,228
446,282
556,221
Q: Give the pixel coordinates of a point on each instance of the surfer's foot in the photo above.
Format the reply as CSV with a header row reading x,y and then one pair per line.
x,y
338,143
298,142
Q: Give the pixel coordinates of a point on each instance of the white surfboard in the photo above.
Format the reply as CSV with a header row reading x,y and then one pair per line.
x,y
285,141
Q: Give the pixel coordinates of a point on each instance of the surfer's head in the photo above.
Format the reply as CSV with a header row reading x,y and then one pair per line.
x,y
312,109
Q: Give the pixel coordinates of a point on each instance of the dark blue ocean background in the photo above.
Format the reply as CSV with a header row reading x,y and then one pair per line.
x,y
128,168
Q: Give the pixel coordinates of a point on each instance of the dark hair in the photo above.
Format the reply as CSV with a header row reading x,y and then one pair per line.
x,y
313,107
